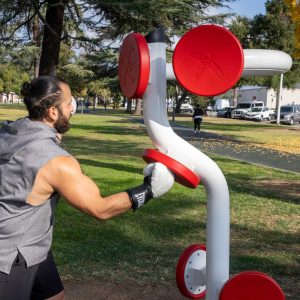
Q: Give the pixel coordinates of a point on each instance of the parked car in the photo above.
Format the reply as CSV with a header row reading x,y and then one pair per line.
x,y
289,114
225,112
186,108
243,108
259,113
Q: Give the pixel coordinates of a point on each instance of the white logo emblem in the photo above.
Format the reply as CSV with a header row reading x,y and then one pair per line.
x,y
141,198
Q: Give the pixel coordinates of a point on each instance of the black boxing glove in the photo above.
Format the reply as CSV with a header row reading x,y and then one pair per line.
x,y
158,180
141,194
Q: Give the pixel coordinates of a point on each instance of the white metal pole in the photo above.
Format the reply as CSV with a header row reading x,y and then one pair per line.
x,y
164,138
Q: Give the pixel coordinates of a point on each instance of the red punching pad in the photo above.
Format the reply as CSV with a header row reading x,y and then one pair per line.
x,y
183,175
208,60
134,66
251,285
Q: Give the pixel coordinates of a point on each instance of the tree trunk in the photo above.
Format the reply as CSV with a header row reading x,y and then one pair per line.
x,y
129,103
94,103
235,96
138,107
36,41
52,37
180,100
124,101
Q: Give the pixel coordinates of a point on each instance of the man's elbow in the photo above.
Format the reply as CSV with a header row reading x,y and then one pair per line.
x,y
101,215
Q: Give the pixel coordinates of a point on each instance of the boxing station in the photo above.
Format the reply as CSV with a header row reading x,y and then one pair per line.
x,y
208,60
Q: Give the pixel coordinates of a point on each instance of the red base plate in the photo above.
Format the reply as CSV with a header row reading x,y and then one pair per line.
x,y
134,66
183,175
251,285
208,60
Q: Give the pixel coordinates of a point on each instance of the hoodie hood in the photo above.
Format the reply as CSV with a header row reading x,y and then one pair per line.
x,y
18,134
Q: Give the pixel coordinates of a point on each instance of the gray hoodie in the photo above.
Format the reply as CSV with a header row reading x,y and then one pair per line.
x,y
25,147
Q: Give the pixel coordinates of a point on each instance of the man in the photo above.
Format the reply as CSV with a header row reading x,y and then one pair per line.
x,y
197,116
34,171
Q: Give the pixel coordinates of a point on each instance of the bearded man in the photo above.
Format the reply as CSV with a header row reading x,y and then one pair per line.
x,y
34,172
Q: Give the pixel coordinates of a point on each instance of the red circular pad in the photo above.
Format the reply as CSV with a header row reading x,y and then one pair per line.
x,y
181,268
208,60
134,66
251,285
183,175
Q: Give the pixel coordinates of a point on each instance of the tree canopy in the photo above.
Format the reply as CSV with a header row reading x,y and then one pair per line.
x,y
294,7
79,39
92,23
275,30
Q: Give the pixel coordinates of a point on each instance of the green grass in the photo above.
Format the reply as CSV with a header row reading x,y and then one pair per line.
x,y
145,246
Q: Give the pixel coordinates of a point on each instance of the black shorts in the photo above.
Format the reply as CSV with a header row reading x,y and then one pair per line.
x,y
40,281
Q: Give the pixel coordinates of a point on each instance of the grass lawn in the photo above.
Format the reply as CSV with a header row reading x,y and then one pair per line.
x,y
145,246
283,137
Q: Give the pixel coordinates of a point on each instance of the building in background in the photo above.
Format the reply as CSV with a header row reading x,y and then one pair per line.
x,y
268,96
10,97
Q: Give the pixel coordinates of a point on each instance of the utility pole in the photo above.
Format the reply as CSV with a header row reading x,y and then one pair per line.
x,y
279,96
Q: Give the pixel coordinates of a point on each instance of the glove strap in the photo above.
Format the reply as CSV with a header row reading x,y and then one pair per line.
x,y
140,195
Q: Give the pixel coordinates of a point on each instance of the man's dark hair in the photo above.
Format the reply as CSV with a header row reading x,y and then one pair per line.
x,y
40,94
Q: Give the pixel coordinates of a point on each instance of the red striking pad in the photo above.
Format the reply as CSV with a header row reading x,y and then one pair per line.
x,y
134,66
180,280
251,285
208,60
183,175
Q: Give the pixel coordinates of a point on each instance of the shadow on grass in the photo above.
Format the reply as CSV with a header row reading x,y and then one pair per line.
x,y
115,130
256,244
240,263
83,146
150,242
237,184
236,181
103,111
112,166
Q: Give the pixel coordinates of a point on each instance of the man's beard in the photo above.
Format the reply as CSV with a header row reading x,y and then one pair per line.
x,y
62,124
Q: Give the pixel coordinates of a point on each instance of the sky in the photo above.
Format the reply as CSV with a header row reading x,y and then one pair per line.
x,y
248,8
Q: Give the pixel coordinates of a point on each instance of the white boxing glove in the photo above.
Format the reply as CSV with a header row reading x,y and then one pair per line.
x,y
161,179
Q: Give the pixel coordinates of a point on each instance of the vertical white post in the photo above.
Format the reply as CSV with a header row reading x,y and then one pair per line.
x,y
164,138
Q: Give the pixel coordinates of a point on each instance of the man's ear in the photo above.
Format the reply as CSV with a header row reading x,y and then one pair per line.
x,y
53,113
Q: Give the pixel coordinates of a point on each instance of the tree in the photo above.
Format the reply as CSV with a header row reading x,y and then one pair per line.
x,y
241,27
11,78
105,20
97,90
274,30
52,36
294,7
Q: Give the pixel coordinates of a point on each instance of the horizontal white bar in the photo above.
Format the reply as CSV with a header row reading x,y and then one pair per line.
x,y
257,62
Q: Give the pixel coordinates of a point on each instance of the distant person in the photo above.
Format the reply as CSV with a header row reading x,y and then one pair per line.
x,y
197,117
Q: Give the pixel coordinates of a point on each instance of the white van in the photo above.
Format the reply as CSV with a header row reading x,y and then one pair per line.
x,y
221,103
243,108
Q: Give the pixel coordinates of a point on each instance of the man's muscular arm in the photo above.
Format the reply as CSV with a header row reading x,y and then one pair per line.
x,y
66,177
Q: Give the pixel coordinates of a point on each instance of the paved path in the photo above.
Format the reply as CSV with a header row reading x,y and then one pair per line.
x,y
228,147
